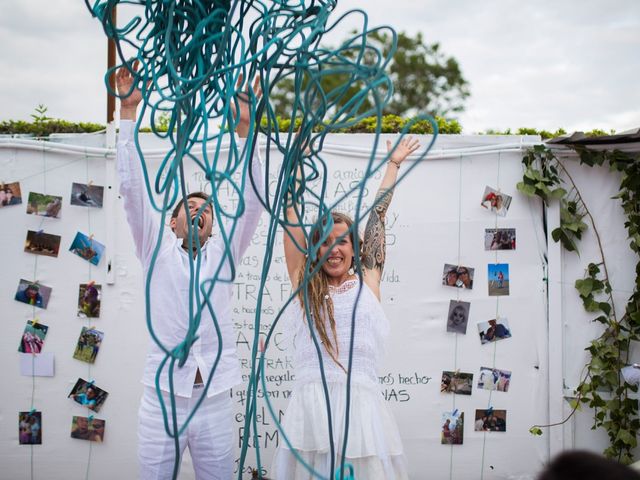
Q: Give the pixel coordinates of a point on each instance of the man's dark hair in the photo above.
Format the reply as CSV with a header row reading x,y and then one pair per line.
x,y
583,465
201,195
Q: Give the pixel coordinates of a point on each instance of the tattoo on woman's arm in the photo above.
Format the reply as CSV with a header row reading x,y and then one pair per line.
x,y
374,249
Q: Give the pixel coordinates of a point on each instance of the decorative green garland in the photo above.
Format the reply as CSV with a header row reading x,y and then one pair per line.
x,y
617,413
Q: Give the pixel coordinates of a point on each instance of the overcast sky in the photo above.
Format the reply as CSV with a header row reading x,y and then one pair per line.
x,y
543,64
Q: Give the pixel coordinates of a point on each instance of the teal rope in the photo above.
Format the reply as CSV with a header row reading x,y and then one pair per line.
x,y
191,56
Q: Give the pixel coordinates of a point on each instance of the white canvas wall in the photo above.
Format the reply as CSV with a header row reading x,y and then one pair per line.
x,y
435,218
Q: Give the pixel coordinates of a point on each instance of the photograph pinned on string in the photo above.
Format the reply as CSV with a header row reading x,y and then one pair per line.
x,y
10,194
458,316
499,238
33,293
494,379
498,275
457,276
40,243
88,248
87,195
87,428
88,345
452,428
44,205
89,300
496,201
490,420
88,395
494,330
460,383
30,428
32,340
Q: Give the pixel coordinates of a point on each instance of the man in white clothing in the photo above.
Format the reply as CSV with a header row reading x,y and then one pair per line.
x,y
171,282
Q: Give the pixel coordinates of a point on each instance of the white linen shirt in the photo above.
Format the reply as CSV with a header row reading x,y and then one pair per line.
x,y
170,278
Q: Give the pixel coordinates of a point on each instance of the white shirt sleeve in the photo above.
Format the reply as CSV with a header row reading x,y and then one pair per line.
x,y
246,224
142,218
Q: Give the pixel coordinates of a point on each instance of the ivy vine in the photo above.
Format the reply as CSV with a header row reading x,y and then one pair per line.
x,y
616,410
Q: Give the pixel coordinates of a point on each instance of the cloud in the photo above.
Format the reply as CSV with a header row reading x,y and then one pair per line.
x,y
544,64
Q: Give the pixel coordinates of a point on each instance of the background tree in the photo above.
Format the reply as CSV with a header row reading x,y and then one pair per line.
x,y
424,79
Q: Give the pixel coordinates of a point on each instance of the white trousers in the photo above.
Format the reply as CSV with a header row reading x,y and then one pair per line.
x,y
208,436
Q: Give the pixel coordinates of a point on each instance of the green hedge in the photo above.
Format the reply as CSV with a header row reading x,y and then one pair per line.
x,y
390,124
46,128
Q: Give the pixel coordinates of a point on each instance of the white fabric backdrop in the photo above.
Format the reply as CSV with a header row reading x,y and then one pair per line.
x,y
435,218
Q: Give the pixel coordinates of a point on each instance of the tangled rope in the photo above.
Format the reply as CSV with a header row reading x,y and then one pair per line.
x,y
196,58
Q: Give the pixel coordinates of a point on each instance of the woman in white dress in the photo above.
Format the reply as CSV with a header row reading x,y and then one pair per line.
x,y
374,448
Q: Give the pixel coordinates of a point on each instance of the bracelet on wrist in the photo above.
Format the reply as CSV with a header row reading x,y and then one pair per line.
x,y
395,163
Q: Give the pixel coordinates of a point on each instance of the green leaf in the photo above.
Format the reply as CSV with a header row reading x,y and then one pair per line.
x,y
558,193
584,286
626,437
527,189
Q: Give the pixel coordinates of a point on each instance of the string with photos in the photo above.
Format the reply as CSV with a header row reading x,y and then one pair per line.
x,y
36,319
197,57
89,283
456,334
494,345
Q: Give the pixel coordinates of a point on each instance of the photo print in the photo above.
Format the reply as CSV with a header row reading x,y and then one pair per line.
x,y
88,345
44,205
456,382
496,201
86,195
30,428
457,276
494,330
499,238
40,243
458,316
452,428
88,395
491,420
86,428
87,248
33,293
494,379
498,274
10,194
89,300
32,339
37,364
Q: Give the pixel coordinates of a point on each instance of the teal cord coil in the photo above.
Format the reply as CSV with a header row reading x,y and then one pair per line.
x,y
196,58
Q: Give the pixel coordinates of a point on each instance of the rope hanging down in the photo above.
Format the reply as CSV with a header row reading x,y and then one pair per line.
x,y
196,58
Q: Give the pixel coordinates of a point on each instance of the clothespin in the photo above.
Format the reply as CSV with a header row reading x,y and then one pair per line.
x,y
489,410
35,321
32,411
39,232
90,382
454,413
91,283
456,373
92,327
90,418
90,183
261,345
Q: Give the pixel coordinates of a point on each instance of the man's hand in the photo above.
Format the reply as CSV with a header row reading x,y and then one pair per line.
x,y
242,129
405,147
125,84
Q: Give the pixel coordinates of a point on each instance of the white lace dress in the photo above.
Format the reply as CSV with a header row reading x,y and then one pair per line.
x,y
374,447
